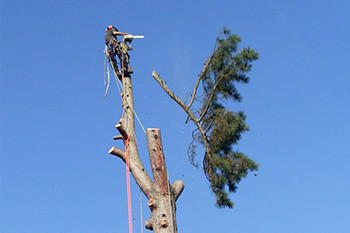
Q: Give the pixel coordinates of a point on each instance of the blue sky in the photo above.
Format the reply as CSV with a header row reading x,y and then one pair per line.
x,y
56,126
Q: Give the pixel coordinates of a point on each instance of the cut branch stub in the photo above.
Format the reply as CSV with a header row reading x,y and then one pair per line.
x,y
118,137
117,152
149,224
177,187
151,204
164,223
121,129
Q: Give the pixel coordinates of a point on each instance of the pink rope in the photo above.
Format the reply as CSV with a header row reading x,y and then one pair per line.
x,y
128,189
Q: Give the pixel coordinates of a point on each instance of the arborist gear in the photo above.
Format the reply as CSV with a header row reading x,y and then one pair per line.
x,y
120,49
111,51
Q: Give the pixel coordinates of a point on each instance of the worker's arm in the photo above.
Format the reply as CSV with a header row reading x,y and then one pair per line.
x,y
120,33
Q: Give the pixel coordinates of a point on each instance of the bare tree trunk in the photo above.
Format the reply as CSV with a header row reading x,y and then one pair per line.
x,y
163,207
161,195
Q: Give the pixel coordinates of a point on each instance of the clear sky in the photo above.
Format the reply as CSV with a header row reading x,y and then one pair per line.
x,y
56,126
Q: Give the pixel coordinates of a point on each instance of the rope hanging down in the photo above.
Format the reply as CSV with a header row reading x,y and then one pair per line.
x,y
128,188
106,81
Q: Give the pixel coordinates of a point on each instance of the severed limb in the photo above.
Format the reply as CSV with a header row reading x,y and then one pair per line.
x,y
117,152
121,129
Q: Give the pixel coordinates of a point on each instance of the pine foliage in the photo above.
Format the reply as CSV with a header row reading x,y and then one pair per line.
x,y
221,129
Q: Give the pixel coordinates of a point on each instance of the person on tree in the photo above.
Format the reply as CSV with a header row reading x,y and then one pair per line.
x,y
117,48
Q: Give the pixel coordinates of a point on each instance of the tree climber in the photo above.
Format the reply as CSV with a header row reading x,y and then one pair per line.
x,y
118,48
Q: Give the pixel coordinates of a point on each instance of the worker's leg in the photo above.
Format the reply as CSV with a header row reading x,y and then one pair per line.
x,y
124,49
113,53
130,71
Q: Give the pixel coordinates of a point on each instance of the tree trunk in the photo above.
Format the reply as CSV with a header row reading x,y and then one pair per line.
x,y
161,195
162,205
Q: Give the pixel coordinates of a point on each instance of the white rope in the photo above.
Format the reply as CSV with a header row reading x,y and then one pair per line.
x,y
106,71
108,81
104,68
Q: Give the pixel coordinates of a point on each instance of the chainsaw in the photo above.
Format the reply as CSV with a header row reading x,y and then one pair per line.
x,y
129,38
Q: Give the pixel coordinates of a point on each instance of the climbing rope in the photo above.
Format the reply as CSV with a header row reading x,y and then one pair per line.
x,y
128,188
106,82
